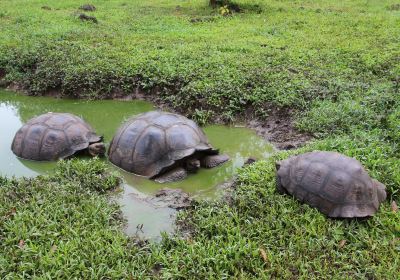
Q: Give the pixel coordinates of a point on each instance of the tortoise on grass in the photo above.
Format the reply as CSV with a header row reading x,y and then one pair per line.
x,y
54,136
162,146
335,184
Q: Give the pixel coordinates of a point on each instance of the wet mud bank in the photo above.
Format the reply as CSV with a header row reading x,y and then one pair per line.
x,y
277,128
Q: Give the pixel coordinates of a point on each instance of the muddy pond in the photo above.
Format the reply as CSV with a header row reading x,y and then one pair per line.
x,y
105,116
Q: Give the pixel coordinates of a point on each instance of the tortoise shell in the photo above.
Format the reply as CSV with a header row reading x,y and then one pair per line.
x,y
53,136
335,184
151,142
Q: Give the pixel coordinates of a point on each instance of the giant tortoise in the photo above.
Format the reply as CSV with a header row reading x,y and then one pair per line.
x,y
335,184
162,146
54,136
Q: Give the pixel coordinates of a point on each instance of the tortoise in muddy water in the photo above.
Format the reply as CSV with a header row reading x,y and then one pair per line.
x,y
335,184
162,146
54,136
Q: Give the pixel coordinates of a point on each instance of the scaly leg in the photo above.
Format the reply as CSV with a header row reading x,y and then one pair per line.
x,y
213,161
173,175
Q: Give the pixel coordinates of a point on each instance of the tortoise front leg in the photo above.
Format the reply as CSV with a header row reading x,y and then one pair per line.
x,y
173,175
214,160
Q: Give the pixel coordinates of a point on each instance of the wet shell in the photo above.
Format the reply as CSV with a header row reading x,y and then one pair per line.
x,y
151,142
52,136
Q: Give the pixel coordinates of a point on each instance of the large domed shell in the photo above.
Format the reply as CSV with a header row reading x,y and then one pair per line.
x,y
52,136
337,185
151,142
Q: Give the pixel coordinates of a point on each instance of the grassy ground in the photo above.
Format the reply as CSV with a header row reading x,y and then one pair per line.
x,y
335,64
305,55
62,226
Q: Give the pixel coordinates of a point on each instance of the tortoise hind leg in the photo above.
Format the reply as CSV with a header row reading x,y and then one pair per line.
x,y
173,175
213,160
279,187
381,190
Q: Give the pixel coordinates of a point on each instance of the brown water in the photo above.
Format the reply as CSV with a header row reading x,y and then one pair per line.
x,y
105,116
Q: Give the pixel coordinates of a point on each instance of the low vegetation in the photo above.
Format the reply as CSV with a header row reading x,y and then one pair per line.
x,y
61,226
303,55
334,65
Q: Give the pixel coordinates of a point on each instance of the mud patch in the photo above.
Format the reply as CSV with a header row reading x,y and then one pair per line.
x,y
138,93
202,19
53,92
172,198
279,129
120,94
88,8
84,17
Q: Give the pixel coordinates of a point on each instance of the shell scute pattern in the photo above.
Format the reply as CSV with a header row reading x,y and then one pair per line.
x,y
30,143
149,143
52,136
314,176
57,121
181,137
166,120
149,149
337,185
53,142
74,136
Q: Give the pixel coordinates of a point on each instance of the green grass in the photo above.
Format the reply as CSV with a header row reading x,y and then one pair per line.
x,y
283,53
299,241
335,64
62,226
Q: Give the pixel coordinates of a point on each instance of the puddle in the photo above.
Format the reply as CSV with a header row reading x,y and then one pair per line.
x,y
105,116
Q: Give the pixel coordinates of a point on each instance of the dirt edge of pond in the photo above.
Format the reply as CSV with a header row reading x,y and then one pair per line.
x,y
278,127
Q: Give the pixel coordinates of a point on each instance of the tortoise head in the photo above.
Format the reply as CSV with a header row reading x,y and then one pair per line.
x,y
192,164
97,149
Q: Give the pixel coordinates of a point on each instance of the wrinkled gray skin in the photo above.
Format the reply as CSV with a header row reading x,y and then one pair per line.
x,y
97,149
190,165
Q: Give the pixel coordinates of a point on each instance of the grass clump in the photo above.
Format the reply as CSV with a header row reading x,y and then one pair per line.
x,y
394,124
62,226
394,7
